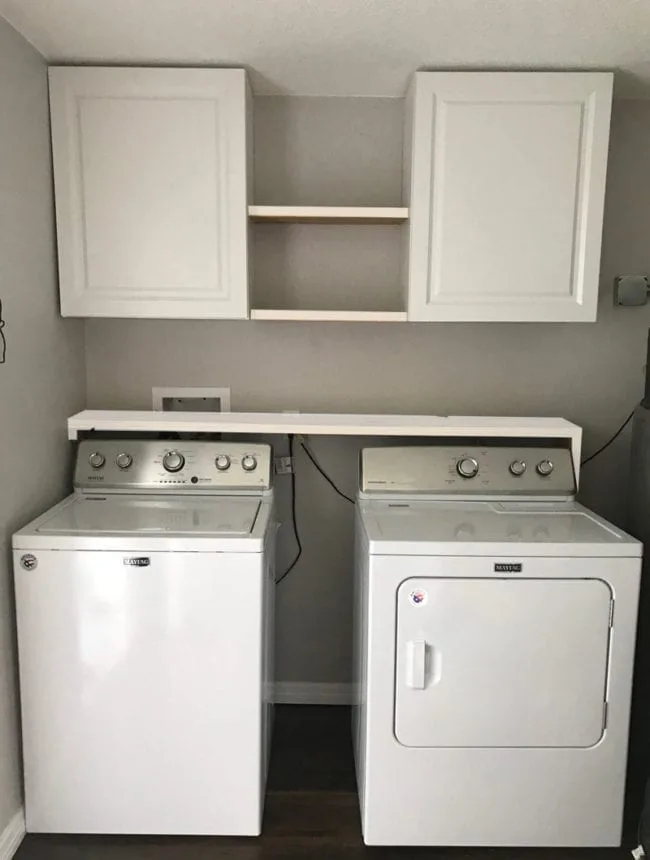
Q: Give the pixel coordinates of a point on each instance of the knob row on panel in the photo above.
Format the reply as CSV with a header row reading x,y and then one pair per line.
x,y
543,468
122,461
468,467
173,461
248,462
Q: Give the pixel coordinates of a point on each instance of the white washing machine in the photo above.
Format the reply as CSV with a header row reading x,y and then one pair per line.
x,y
495,631
145,635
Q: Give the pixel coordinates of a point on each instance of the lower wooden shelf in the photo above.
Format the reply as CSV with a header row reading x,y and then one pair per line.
x,y
329,316
330,214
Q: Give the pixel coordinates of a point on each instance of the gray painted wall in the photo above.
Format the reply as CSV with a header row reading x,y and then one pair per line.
x,y
591,374
43,379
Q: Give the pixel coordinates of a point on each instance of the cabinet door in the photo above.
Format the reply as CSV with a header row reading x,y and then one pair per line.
x,y
151,198
507,184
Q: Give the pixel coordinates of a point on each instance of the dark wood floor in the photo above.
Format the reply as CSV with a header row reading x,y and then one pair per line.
x,y
311,812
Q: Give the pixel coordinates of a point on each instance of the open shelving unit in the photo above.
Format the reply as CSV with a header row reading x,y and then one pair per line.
x,y
328,263
340,261
308,260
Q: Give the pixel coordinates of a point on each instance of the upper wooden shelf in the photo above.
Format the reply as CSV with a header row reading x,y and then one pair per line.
x,y
330,214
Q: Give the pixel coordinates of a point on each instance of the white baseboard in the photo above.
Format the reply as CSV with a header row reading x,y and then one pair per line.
x,y
12,836
307,693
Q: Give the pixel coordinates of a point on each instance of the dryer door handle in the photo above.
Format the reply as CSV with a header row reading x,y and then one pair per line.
x,y
416,664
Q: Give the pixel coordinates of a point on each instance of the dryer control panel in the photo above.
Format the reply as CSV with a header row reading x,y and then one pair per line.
x,y
146,464
468,470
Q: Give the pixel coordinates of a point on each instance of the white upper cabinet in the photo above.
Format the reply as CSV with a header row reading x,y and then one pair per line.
x,y
505,178
151,191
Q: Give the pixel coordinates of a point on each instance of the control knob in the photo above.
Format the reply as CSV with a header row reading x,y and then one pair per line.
x,y
123,461
544,468
467,467
517,468
249,463
222,462
173,461
96,460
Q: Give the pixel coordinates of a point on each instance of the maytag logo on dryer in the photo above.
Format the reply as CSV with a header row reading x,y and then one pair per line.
x,y
508,567
137,561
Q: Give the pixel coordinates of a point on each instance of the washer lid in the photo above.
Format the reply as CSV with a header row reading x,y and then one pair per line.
x,y
419,527
142,515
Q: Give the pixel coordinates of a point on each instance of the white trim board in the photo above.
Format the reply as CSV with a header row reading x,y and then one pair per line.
x,y
308,693
12,835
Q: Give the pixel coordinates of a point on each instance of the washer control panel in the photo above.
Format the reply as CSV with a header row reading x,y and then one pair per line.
x,y
144,464
468,471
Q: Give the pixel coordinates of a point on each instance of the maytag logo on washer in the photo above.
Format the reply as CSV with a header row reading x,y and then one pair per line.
x,y
418,597
141,561
508,567
28,561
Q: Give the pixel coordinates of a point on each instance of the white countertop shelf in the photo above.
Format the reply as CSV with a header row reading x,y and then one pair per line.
x,y
330,214
325,424
328,316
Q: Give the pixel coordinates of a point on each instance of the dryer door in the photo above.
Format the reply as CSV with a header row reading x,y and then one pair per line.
x,y
501,662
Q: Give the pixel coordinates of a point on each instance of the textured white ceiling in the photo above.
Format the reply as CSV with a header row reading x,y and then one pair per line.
x,y
345,47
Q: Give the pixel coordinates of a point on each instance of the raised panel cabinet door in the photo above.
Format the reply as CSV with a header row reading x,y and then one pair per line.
x,y
151,191
506,177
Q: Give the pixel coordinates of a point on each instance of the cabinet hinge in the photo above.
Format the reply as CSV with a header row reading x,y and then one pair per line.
x,y
611,613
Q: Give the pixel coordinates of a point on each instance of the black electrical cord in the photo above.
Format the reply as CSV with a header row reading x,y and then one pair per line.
x,y
293,515
610,440
324,474
3,340
320,469
294,519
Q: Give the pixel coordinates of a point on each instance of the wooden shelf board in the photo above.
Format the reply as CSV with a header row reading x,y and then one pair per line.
x,y
329,316
323,424
330,214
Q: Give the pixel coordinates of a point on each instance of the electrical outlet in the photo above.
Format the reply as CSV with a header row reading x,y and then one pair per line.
x,y
283,466
631,290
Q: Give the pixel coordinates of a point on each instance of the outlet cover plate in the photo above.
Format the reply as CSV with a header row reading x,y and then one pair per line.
x,y
283,466
631,290
191,399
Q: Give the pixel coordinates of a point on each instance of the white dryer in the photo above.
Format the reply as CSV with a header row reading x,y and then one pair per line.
x,y
145,639
495,632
